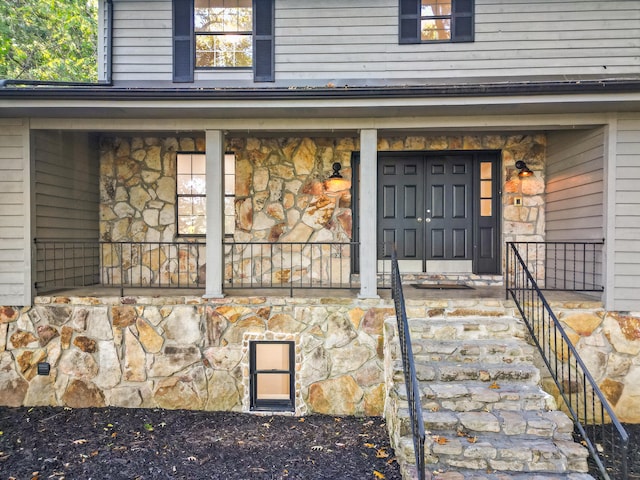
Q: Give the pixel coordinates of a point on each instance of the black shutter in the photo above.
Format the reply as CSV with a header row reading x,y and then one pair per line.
x,y
263,40
409,21
183,41
462,21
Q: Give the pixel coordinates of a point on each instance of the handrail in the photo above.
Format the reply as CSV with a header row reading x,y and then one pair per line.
x,y
580,393
410,378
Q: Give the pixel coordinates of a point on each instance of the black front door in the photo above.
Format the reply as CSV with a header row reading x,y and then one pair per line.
x,y
441,211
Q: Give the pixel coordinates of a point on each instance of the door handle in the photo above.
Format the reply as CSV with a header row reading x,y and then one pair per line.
x,y
427,220
419,219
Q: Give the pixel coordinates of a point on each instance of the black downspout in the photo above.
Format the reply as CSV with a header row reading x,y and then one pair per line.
x,y
109,42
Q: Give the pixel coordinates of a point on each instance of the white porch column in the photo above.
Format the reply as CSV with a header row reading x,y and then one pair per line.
x,y
368,212
215,213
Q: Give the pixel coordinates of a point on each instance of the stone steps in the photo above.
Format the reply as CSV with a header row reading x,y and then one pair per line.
x,y
483,409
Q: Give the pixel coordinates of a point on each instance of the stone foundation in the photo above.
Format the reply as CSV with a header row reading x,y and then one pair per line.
x,y
609,345
183,352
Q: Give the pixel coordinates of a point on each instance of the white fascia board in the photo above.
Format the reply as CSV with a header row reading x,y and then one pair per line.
x,y
436,123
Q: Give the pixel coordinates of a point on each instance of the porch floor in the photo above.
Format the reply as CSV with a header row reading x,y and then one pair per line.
x,y
412,295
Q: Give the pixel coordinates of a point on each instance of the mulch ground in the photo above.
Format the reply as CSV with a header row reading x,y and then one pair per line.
x,y
115,443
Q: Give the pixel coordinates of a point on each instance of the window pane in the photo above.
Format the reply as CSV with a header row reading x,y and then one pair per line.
x,y
272,356
184,163
198,185
184,185
485,170
485,189
224,51
485,208
185,206
229,224
432,8
198,164
223,16
199,206
199,226
229,163
273,386
436,29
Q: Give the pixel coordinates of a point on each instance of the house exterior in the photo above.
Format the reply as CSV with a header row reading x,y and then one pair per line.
x,y
223,121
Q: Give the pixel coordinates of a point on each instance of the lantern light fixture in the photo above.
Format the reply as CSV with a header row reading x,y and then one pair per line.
x,y
524,170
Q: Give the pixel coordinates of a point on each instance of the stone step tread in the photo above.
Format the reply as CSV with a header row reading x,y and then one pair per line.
x,y
550,424
458,474
475,395
491,319
489,328
459,371
522,453
490,347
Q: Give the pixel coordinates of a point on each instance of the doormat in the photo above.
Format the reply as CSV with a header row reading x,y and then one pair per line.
x,y
441,286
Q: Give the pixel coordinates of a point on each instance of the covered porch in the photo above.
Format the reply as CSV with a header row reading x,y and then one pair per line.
x,y
273,220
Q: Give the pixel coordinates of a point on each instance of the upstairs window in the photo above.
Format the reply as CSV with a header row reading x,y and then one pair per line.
x,y
426,21
224,33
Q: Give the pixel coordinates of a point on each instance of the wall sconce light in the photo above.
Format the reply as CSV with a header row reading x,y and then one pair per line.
x,y
336,182
524,170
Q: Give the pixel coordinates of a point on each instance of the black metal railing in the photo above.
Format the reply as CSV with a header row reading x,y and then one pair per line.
x,y
66,264
594,419
408,365
566,266
70,264
289,265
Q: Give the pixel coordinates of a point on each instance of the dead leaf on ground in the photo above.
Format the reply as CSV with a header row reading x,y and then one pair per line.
x,y
369,445
80,441
379,475
382,453
440,440
472,439
494,386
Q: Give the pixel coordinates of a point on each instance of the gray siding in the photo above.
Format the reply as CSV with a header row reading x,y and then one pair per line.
x,y
626,211
66,208
66,185
15,263
142,44
575,186
357,41
574,207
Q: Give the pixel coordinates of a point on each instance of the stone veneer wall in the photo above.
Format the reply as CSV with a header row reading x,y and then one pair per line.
x,y
609,345
281,195
183,352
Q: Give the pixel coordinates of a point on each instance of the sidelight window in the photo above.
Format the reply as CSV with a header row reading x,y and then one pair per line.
x,y
486,189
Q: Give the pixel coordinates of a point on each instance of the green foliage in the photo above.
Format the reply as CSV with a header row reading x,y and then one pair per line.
x,y
48,40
